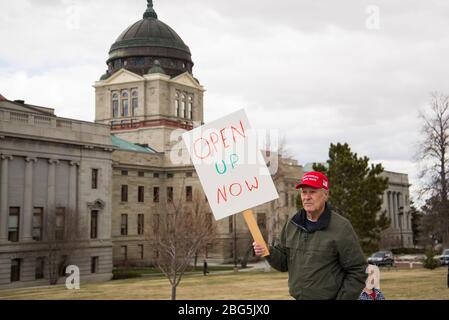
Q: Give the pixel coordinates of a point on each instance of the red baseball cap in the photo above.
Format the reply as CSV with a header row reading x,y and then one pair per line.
x,y
314,179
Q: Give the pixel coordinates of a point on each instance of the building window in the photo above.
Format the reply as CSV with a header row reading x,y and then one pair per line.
x,y
169,194
135,102
124,252
38,214
124,193
124,173
124,225
189,174
94,178
183,106
231,224
190,114
286,199
60,223
169,175
156,223
115,112
141,174
155,175
140,194
156,194
262,221
141,251
63,263
15,270
125,104
94,224
177,104
140,224
13,224
94,265
189,194
40,267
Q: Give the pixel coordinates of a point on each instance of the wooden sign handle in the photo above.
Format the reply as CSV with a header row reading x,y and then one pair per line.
x,y
255,231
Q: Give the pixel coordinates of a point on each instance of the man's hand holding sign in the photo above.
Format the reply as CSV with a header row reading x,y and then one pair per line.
x,y
231,168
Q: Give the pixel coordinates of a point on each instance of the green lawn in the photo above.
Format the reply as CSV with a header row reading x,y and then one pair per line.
x,y
395,284
152,271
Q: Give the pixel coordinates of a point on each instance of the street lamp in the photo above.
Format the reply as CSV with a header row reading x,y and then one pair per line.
x,y
400,214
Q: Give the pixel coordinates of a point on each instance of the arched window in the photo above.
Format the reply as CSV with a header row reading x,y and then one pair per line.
x,y
115,113
190,107
183,106
125,104
177,113
135,101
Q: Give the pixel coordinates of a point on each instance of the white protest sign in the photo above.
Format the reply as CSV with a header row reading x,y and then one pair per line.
x,y
229,164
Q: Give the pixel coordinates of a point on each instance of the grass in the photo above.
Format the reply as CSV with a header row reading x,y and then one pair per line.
x,y
395,284
136,272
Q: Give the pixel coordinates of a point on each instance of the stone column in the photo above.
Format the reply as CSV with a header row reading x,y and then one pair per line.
x,y
27,212
4,198
51,198
388,206
73,194
393,205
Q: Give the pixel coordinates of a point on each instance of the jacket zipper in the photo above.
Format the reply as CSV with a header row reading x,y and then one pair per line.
x,y
306,233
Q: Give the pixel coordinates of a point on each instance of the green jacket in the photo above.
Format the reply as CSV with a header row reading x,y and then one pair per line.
x,y
327,263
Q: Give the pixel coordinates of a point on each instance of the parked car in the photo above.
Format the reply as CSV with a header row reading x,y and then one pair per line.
x,y
382,258
444,258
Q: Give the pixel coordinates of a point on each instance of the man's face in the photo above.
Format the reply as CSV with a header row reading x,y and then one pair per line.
x,y
313,199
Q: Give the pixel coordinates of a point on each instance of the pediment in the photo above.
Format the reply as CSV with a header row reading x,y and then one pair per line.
x,y
123,76
187,79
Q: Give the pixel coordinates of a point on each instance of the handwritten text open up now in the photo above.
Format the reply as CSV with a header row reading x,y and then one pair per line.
x,y
229,164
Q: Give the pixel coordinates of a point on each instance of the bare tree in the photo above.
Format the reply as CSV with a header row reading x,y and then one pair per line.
x,y
275,220
434,156
188,229
60,241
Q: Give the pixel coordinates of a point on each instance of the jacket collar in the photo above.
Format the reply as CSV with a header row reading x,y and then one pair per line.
x,y
299,219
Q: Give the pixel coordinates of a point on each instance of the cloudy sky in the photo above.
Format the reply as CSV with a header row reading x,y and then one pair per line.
x,y
318,71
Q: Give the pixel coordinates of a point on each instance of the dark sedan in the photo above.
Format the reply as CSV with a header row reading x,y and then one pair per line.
x,y
444,258
382,258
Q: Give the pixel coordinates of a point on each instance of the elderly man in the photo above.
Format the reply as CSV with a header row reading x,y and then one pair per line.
x,y
318,248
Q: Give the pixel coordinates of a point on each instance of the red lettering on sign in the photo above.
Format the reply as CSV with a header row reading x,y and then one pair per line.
x,y
235,189
214,142
234,130
223,138
196,150
240,189
252,186
222,193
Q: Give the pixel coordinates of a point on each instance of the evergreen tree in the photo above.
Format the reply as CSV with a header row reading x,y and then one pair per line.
x,y
416,221
356,191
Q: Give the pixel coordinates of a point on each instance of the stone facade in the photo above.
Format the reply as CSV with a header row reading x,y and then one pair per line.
x,y
396,204
46,179
161,105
